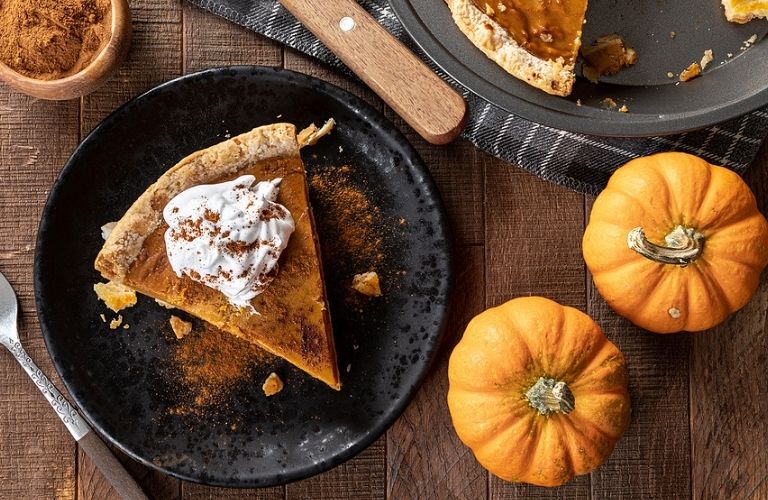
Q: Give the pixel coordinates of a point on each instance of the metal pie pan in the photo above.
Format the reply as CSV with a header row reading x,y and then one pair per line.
x,y
668,36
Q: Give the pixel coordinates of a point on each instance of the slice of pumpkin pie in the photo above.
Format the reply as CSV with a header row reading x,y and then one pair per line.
x,y
536,41
227,235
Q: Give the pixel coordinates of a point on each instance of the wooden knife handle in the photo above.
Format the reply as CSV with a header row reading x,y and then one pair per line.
x,y
429,105
109,466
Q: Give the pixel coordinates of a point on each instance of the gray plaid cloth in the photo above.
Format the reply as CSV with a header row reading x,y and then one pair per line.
x,y
581,162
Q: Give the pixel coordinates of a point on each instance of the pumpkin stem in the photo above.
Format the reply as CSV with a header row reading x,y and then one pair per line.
x,y
548,395
684,245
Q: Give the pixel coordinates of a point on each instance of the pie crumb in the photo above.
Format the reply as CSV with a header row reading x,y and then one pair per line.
x,y
672,34
706,58
670,74
367,284
162,303
607,55
690,72
126,326
272,385
116,296
310,135
115,323
624,109
349,367
106,229
180,327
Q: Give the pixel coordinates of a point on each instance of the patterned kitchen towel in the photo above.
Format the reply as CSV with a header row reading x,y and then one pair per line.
x,y
581,162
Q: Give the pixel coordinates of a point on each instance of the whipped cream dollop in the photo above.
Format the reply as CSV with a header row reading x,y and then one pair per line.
x,y
228,236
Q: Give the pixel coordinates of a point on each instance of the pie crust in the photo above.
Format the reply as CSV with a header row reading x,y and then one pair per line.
x,y
554,76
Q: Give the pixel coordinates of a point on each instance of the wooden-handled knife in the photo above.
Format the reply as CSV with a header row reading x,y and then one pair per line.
x,y
429,105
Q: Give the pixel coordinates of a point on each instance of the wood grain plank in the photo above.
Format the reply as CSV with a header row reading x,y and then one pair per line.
x,y
533,237
533,247
425,458
211,41
155,56
36,137
729,397
198,492
361,478
652,460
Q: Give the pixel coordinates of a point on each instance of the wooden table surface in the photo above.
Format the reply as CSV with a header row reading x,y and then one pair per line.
x,y
700,402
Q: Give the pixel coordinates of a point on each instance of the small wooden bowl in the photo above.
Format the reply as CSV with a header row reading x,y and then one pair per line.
x,y
89,78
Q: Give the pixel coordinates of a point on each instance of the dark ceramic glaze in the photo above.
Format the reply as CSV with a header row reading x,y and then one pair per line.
x,y
119,378
657,104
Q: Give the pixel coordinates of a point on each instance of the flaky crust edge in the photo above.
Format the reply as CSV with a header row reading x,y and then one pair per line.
x,y
732,14
553,77
145,215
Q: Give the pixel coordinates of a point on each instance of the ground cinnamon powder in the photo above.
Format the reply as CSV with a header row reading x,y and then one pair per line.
x,y
52,39
209,363
348,225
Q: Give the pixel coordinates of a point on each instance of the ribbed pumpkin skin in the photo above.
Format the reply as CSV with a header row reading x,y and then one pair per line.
x,y
658,193
502,354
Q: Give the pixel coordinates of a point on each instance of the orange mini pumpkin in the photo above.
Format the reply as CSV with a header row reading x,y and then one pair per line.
x,y
537,392
674,243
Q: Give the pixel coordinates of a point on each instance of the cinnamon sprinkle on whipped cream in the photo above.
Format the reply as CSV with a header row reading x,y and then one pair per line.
x,y
228,236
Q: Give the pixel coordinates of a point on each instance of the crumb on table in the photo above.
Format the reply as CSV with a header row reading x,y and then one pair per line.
x,y
116,296
272,385
367,284
180,327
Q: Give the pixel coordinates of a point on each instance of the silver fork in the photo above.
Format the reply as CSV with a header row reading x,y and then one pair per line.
x,y
98,452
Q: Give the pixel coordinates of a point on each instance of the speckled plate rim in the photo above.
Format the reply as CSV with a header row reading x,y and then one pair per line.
x,y
421,175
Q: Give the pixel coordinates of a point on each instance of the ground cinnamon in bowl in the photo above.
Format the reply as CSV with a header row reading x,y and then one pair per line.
x,y
52,39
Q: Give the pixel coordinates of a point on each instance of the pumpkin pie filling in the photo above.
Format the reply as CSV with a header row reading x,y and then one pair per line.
x,y
548,29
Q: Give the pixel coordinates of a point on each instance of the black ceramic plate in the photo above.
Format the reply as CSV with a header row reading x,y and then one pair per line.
x,y
118,378
657,105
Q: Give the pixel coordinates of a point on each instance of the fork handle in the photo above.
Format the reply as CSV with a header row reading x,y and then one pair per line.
x,y
97,451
